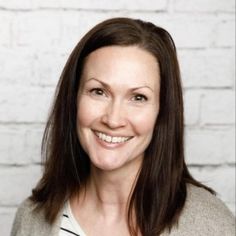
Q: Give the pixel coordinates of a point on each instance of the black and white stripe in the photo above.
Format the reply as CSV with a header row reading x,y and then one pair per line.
x,y
69,226
68,231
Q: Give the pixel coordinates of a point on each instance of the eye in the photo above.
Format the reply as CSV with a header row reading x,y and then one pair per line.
x,y
139,98
97,92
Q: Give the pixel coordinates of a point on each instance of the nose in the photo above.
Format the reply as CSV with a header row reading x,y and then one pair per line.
x,y
114,115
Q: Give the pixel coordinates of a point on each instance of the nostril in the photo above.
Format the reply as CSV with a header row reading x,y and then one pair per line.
x,y
113,121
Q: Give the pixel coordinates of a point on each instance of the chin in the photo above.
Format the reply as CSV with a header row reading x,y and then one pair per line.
x,y
107,166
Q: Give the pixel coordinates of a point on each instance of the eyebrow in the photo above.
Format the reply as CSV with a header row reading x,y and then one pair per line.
x,y
108,86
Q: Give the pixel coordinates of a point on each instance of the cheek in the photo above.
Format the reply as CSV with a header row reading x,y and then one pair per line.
x,y
83,115
87,112
144,121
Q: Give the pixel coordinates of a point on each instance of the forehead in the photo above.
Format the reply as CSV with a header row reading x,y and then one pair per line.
x,y
117,64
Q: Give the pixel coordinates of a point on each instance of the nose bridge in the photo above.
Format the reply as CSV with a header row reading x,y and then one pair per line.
x,y
115,113
115,108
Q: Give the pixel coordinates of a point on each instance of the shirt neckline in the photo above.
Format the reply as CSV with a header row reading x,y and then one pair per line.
x,y
74,222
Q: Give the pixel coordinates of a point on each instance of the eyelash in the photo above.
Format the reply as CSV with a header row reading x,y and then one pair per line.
x,y
101,92
140,98
97,92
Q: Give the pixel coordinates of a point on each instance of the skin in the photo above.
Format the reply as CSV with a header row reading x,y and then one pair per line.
x,y
119,96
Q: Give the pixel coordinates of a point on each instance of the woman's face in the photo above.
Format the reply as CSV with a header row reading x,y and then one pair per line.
x,y
118,103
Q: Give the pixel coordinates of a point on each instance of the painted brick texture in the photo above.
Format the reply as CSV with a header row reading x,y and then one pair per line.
x,y
36,37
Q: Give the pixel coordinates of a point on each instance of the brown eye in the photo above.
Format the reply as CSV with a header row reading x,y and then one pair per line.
x,y
140,98
97,92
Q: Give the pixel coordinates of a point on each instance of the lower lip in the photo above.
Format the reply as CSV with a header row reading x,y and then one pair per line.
x,y
109,145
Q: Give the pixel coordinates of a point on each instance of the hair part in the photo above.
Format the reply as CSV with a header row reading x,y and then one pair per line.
x,y
160,192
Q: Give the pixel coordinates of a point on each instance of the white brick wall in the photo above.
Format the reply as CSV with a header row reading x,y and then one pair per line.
x,y
36,37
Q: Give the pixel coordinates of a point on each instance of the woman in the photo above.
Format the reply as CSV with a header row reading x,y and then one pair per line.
x,y
113,144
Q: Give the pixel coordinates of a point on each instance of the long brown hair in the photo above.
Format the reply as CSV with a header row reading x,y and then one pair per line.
x,y
160,191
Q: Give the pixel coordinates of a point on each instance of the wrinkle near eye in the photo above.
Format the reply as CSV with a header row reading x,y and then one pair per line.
x,y
140,98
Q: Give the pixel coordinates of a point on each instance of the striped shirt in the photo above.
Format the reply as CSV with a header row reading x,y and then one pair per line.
x,y
69,225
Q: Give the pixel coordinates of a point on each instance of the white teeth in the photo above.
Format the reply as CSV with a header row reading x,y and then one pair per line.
x,y
108,139
99,135
111,139
114,140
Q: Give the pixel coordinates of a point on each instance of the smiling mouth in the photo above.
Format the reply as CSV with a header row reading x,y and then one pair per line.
x,y
112,139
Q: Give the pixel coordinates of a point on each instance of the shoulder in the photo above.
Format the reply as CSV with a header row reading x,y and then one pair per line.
x,y
25,208
205,214
25,219
29,221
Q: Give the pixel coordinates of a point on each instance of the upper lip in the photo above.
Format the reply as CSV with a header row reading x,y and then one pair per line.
x,y
113,135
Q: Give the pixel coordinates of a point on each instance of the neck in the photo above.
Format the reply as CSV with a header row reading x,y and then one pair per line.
x,y
112,188
109,191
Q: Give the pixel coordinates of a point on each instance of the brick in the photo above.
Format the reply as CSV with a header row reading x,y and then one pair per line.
x,y
213,68
33,140
10,139
16,183
24,104
26,140
204,6
225,33
192,100
16,67
20,67
115,5
15,4
221,179
39,30
218,107
47,68
196,32
5,29
208,146
75,25
46,4
6,219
